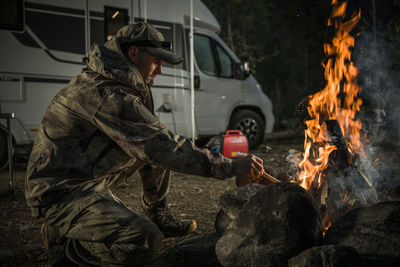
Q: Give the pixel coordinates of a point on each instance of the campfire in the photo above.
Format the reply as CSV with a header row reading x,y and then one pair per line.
x,y
337,101
329,214
333,138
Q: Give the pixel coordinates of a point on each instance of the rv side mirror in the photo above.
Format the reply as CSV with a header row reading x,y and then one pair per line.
x,y
246,69
243,70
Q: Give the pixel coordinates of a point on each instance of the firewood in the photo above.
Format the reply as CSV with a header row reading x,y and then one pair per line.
x,y
270,178
347,187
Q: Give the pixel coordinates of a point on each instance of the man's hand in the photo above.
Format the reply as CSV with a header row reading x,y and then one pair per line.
x,y
247,169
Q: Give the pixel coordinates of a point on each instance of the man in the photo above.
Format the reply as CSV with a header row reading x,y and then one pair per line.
x,y
98,131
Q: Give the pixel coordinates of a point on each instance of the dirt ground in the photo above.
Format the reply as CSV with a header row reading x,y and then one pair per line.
x,y
191,197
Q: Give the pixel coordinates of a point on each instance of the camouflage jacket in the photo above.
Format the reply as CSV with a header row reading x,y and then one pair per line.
x,y
101,127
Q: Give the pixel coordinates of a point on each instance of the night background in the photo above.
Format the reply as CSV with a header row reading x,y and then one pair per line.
x,y
284,41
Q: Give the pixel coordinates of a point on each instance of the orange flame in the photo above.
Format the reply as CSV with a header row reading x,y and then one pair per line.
x,y
326,227
327,104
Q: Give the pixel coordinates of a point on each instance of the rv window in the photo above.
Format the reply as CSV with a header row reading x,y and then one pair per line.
x,y
114,19
12,15
166,32
204,55
225,63
97,27
179,45
45,22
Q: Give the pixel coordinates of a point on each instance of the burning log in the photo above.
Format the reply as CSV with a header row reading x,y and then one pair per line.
x,y
340,158
346,186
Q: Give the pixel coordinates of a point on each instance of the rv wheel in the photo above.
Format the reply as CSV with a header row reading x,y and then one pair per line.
x,y
3,149
251,124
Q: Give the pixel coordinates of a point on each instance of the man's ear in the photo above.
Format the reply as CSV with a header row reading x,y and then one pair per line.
x,y
132,53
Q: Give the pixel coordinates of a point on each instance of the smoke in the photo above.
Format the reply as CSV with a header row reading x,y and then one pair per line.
x,y
380,112
381,109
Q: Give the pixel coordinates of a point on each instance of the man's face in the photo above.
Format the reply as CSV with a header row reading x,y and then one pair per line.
x,y
147,64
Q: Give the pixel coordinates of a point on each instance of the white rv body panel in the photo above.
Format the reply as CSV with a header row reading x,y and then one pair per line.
x,y
38,62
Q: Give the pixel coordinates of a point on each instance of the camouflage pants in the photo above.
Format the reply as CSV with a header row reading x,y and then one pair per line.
x,y
94,228
155,182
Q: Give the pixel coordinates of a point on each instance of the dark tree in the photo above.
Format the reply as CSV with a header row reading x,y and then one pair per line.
x,y
284,41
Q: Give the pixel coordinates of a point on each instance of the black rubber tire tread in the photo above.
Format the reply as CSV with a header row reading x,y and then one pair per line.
x,y
247,113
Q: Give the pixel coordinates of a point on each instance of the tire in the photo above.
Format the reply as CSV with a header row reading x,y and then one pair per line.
x,y
251,124
3,149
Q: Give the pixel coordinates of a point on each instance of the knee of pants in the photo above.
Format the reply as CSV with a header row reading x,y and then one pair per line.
x,y
119,252
142,233
135,254
153,237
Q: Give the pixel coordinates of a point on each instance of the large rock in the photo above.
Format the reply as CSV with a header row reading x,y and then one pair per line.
x,y
327,256
199,251
279,222
374,231
231,203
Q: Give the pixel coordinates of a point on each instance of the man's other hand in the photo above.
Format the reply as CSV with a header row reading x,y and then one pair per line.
x,y
247,169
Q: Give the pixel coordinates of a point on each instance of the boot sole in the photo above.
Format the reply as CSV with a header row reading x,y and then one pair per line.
x,y
191,228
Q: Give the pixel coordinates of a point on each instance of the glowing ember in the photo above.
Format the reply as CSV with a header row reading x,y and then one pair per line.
x,y
326,227
337,101
346,196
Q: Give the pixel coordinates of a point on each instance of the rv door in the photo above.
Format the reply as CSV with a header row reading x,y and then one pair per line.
x,y
218,91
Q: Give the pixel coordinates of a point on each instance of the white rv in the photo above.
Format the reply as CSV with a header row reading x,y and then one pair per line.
x,y
43,42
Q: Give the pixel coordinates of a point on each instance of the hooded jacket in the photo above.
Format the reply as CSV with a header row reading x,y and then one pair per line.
x,y
101,127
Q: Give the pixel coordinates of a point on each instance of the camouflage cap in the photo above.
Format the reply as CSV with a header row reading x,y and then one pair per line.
x,y
146,36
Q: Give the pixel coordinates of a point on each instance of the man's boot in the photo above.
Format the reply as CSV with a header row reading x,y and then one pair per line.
x,y
159,214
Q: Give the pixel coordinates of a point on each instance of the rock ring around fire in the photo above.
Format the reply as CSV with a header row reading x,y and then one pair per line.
x,y
277,223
